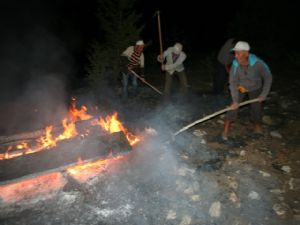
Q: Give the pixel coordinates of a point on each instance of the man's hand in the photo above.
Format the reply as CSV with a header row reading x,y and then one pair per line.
x,y
234,106
160,58
163,67
261,99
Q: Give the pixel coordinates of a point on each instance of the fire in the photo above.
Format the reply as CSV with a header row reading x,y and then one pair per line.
x,y
47,141
86,170
112,125
76,114
82,171
69,132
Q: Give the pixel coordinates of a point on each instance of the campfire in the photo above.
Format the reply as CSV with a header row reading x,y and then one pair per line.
x,y
82,145
50,138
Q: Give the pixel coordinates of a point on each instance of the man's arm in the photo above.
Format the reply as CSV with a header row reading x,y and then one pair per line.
x,y
179,61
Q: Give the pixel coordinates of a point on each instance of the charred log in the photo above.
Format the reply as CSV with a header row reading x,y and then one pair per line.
x,y
68,152
35,134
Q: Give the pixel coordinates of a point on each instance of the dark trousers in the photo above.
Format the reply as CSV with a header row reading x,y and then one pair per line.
x,y
168,84
256,107
220,79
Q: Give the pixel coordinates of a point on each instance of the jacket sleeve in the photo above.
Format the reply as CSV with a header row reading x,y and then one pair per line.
x,y
267,79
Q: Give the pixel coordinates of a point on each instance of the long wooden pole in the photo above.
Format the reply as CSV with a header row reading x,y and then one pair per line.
x,y
144,81
160,36
213,115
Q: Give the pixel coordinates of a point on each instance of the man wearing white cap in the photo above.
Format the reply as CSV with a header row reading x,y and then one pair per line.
x,y
132,59
174,57
250,76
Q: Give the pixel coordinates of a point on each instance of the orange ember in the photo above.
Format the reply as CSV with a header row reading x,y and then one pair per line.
x,y
31,187
84,171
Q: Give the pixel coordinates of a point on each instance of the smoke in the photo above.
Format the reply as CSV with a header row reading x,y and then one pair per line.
x,y
34,82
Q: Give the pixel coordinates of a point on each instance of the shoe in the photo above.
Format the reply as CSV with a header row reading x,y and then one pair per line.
x,y
224,137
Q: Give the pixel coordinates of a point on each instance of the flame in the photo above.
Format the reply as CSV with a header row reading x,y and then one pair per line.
x,y
69,132
76,114
47,141
112,125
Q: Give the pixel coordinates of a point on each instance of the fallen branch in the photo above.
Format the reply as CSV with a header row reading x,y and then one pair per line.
x,y
213,115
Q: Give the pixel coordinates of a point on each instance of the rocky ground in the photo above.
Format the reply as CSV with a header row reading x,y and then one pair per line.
x,y
194,178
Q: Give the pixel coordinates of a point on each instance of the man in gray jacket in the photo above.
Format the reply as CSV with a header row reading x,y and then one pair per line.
x,y
249,75
174,57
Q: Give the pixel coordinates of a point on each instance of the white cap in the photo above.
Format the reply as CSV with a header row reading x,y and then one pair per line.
x,y
241,46
140,42
178,47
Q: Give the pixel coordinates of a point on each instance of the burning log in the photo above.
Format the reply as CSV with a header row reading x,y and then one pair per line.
x,y
67,153
21,136
35,134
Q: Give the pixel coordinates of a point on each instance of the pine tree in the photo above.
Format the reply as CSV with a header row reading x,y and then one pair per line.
x,y
119,24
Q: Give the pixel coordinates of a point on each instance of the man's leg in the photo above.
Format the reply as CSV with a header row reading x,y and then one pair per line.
x,y
256,111
230,117
134,84
183,82
168,86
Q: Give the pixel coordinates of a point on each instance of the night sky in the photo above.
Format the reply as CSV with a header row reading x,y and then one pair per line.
x,y
56,34
74,22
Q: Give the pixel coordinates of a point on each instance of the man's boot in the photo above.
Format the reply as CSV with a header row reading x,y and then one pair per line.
x,y
226,130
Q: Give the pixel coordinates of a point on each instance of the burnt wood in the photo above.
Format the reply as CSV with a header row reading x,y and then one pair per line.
x,y
67,152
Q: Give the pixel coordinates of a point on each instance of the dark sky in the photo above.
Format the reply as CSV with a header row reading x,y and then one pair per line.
x,y
203,27
74,22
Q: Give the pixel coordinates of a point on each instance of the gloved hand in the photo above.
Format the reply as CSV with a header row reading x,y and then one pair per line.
x,y
160,58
